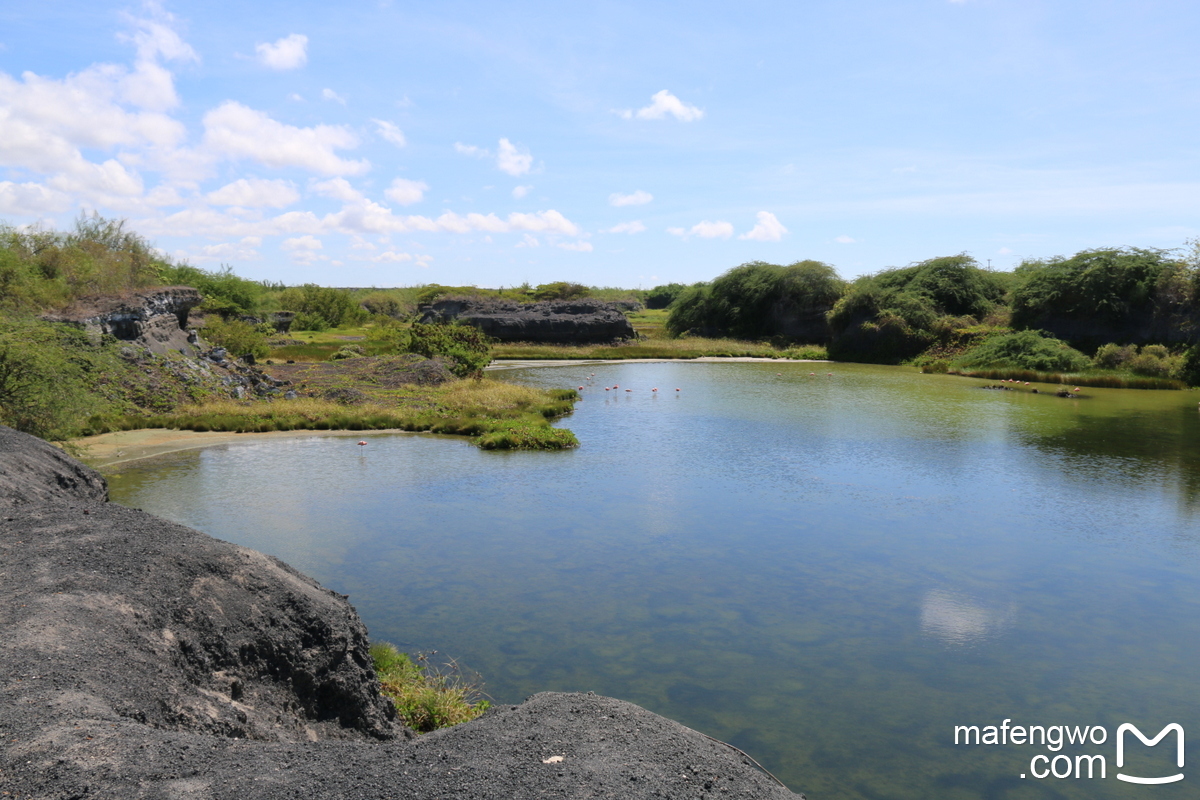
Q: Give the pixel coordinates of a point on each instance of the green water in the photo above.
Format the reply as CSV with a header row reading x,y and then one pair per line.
x,y
829,572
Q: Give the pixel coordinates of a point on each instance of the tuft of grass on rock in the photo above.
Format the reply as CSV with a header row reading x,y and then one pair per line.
x,y
427,695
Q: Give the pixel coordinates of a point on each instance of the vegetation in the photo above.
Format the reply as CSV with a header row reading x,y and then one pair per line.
x,y
1025,350
897,314
427,695
754,301
663,296
497,415
465,346
238,337
319,308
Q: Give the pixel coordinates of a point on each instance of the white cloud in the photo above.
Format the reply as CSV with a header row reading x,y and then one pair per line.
x,y
390,132
406,192
338,189
513,160
236,131
638,198
843,239
331,95
665,103
27,199
579,247
255,193
705,230
528,241
304,249
391,257
290,52
1004,251
627,227
244,250
520,191
768,229
302,243
471,150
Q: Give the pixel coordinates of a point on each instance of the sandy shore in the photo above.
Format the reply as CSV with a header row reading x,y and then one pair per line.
x,y
110,449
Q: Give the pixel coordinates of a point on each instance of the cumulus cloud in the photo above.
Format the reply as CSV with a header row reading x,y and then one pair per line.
x,y
332,96
662,105
512,159
628,227
233,130
578,247
389,132
406,192
705,230
843,239
768,229
338,189
290,52
520,191
31,198
528,241
638,198
303,249
255,193
244,250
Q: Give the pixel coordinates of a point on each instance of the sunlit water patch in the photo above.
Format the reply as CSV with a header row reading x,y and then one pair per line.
x,y
830,572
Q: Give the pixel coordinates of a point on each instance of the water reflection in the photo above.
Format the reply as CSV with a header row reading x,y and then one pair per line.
x,y
957,620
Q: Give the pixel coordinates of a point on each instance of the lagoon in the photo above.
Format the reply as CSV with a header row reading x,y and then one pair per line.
x,y
830,572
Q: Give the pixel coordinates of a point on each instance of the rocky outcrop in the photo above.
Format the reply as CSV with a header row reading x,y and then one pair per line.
x,y
142,659
551,322
154,318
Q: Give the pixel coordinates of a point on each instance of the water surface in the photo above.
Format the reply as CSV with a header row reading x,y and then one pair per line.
x,y
830,572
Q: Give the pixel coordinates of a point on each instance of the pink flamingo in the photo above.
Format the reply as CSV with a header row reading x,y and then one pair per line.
x,y
360,444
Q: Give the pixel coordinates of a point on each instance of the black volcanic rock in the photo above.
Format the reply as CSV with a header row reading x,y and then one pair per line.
x,y
549,322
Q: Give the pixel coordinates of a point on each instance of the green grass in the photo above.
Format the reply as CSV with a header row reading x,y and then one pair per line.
x,y
427,695
497,415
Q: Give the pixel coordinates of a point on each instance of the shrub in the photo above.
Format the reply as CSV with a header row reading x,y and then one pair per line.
x,y
239,338
1112,356
1028,350
348,351
662,296
468,348
750,300
335,308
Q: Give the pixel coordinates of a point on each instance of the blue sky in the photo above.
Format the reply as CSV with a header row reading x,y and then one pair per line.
x,y
609,143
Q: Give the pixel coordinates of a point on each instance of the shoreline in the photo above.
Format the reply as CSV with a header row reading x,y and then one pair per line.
x,y
118,447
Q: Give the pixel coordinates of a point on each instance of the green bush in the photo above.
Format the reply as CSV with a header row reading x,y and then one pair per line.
x,y
468,349
320,305
1113,356
1028,350
662,296
47,378
427,695
239,338
348,351
748,301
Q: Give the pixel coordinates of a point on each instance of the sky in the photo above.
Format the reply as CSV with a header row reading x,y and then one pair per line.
x,y
391,143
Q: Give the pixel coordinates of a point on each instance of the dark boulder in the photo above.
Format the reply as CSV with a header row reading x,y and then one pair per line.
x,y
550,322
34,473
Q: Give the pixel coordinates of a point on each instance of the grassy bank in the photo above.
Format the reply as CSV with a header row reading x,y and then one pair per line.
x,y
496,415
687,347
1105,380
427,695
